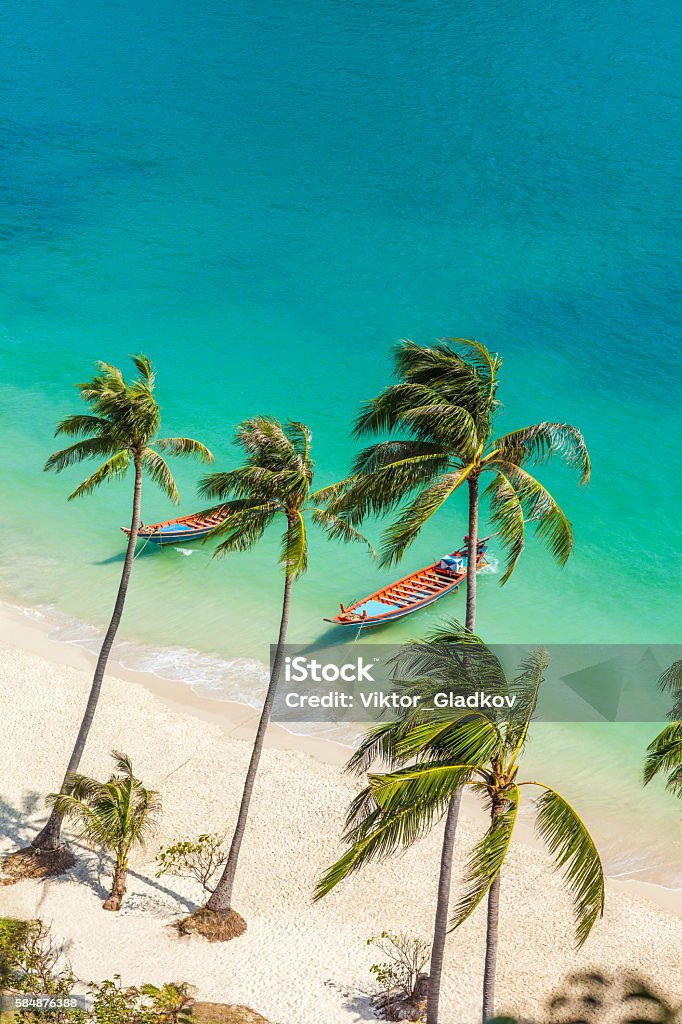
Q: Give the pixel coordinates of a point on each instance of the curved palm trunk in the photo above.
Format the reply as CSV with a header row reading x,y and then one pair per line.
x,y
491,942
48,838
440,930
221,898
472,553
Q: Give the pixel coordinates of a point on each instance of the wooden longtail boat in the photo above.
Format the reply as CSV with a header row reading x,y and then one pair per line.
x,y
179,531
412,592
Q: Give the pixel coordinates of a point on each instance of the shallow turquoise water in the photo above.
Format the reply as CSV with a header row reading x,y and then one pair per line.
x,y
265,198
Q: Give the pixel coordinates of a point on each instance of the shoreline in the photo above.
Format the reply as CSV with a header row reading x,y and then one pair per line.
x,y
21,629
239,721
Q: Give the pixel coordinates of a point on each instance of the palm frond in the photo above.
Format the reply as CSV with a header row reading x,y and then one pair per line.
x,y
294,550
246,482
405,530
244,527
89,448
463,737
506,515
184,446
573,849
525,689
487,858
393,470
159,472
671,681
80,425
430,782
664,755
550,523
264,439
145,368
325,495
381,834
338,528
378,744
114,468
541,441
301,438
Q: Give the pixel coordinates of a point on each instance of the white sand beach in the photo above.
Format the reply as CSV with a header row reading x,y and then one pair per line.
x,y
297,961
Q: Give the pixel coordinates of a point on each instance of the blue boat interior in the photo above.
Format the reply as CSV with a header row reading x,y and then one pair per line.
x,y
376,608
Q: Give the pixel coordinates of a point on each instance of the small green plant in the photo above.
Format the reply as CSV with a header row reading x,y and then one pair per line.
x,y
199,858
399,978
32,963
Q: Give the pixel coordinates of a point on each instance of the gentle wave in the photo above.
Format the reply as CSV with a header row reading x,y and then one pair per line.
x,y
237,680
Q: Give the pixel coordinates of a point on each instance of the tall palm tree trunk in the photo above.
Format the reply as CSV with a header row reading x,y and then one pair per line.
x,y
440,929
472,554
221,898
491,941
49,837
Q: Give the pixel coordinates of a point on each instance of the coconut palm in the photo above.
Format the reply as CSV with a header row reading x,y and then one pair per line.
x,y
664,754
444,410
274,483
442,418
445,751
121,428
113,815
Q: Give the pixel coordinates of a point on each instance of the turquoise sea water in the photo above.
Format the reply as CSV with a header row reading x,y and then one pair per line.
x,y
265,197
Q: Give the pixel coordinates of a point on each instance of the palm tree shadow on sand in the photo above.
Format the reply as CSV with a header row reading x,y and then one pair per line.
x,y
92,868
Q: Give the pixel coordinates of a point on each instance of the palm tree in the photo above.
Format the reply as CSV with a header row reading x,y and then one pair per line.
x,y
664,754
449,750
442,417
122,428
274,482
114,815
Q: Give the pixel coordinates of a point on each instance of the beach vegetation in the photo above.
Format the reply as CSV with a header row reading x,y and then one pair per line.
x,y
32,962
439,753
664,753
121,428
439,423
115,816
199,858
274,483
399,977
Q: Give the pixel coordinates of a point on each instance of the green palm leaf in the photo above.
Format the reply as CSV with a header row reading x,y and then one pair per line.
x,y
81,425
338,528
487,858
294,549
541,441
114,468
406,529
158,470
398,470
548,519
244,527
671,681
381,834
573,849
88,448
184,446
506,515
430,783
664,755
